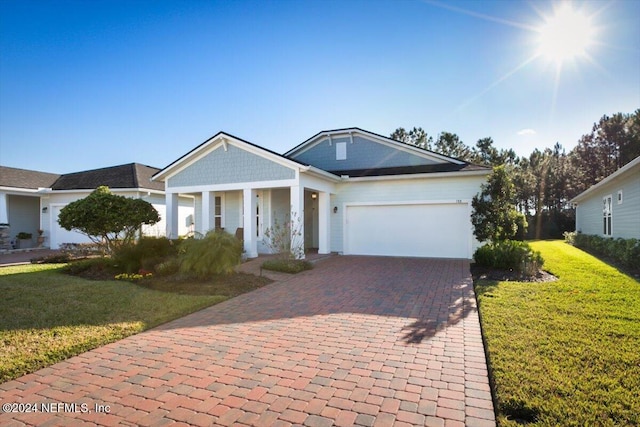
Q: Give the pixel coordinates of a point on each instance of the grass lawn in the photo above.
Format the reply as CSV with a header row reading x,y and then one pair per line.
x,y
566,352
47,316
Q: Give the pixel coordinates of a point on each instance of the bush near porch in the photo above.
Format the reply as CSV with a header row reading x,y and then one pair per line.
x,y
564,352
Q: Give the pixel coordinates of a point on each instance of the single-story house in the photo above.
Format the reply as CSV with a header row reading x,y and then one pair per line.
x,y
611,208
31,200
348,191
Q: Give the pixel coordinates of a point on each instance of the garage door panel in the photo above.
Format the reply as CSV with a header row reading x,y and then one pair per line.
x,y
423,230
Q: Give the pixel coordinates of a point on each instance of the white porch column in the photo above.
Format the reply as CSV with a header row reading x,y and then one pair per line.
x,y
208,208
324,223
297,217
4,209
173,231
249,209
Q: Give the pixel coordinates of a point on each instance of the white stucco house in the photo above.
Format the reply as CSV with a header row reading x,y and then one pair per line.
x,y
355,192
611,208
31,200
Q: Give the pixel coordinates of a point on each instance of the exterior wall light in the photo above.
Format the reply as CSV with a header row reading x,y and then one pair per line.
x,y
335,209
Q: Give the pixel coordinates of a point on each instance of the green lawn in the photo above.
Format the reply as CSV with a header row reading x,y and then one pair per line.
x,y
566,352
47,316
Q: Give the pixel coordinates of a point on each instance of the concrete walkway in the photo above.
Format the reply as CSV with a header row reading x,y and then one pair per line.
x,y
356,341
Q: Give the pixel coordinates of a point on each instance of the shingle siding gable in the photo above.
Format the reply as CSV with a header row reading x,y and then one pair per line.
x,y
233,165
363,153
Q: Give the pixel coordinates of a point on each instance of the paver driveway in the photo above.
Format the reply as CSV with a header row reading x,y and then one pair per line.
x,y
356,341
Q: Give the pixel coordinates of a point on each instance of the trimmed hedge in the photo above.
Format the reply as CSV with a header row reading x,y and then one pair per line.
x,y
509,255
623,251
287,265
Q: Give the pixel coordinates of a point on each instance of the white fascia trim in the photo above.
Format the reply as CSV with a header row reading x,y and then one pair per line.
x,y
19,190
235,186
417,176
387,141
613,177
322,173
221,140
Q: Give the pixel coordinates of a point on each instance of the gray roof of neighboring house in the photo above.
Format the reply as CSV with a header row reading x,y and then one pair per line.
x,y
131,175
24,178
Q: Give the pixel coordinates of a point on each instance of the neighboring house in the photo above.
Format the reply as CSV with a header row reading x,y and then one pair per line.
x,y
31,200
354,192
611,208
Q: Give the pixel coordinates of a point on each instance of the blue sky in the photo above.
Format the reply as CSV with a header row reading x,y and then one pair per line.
x,y
87,84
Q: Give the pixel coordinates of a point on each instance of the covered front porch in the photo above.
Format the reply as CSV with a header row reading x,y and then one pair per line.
x,y
306,211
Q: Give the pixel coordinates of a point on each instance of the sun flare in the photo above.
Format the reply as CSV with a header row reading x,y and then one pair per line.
x,y
566,35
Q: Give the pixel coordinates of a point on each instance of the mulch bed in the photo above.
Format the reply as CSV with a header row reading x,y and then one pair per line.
x,y
483,273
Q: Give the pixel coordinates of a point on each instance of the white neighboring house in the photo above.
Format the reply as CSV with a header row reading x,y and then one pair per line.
x,y
354,192
611,208
31,200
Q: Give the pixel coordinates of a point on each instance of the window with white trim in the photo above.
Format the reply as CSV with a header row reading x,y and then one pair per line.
x,y
341,150
619,197
217,213
607,213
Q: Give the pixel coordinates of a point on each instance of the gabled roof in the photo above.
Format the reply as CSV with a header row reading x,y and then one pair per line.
x,y
131,175
380,138
24,178
213,141
628,169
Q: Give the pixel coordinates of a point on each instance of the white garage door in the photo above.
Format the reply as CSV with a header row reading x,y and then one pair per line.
x,y
59,235
419,230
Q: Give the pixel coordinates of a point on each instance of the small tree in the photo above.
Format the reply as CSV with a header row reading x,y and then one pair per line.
x,y
286,239
494,216
109,220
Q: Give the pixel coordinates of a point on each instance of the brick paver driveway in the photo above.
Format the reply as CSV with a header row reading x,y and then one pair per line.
x,y
356,341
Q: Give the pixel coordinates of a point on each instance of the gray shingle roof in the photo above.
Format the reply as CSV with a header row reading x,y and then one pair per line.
x,y
24,178
131,175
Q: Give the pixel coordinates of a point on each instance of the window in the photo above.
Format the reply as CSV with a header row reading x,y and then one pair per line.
x,y
341,150
619,197
217,215
607,212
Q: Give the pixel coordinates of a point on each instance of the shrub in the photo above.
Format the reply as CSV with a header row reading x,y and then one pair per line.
x,y
509,255
570,237
95,264
146,253
286,239
58,258
217,253
168,267
287,265
623,251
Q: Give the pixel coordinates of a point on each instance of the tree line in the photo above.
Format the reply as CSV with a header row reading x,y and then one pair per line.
x,y
548,179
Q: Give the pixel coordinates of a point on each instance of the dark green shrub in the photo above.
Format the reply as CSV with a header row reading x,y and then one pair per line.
x,y
623,251
287,265
58,258
509,255
94,264
217,253
145,254
168,267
